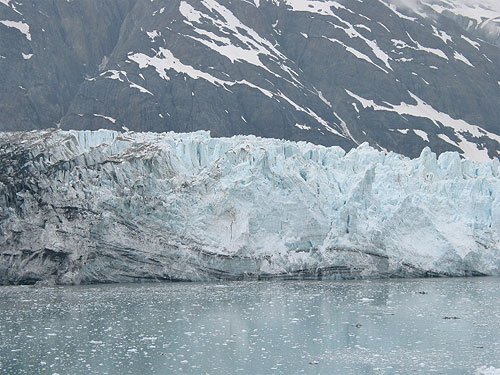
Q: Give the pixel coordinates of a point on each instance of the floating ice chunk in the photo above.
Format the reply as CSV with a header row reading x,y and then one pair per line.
x,y
487,370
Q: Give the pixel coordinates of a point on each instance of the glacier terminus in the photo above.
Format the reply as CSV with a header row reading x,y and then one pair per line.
x,y
106,206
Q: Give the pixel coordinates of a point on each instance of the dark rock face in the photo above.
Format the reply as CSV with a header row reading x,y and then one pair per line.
x,y
333,73
43,66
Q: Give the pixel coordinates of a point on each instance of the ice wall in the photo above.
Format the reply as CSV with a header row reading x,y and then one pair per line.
x,y
105,206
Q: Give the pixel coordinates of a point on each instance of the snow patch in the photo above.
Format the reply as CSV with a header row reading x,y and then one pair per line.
x,y
251,47
356,53
116,75
191,14
419,47
21,26
303,127
424,110
383,26
441,35
325,8
113,74
111,119
153,35
404,59
421,134
361,26
323,99
474,44
399,44
165,61
317,7
311,113
447,139
458,56
140,88
345,129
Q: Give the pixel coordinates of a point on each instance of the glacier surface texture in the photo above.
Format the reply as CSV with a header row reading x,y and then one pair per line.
x,y
104,206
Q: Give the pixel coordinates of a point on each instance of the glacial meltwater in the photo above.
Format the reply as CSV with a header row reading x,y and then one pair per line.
x,y
425,326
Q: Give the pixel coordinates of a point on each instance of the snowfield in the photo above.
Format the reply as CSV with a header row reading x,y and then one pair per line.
x,y
103,206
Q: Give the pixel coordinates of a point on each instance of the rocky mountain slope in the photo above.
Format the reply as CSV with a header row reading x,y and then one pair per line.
x,y
85,207
330,72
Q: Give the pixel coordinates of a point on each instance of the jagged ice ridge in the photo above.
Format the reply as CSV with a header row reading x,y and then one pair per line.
x,y
104,206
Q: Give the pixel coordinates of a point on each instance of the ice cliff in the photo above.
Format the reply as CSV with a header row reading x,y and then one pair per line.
x,y
103,206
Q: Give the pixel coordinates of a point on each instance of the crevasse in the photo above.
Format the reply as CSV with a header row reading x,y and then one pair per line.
x,y
103,206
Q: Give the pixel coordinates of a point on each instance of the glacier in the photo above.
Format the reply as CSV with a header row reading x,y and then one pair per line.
x,y
105,206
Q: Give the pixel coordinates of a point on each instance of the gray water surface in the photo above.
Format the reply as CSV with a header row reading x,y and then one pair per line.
x,y
287,327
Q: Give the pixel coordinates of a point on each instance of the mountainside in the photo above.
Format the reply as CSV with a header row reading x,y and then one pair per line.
x,y
86,207
330,72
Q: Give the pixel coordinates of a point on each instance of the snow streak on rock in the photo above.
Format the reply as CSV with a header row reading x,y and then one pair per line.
x,y
424,110
253,45
164,61
21,26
